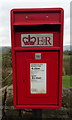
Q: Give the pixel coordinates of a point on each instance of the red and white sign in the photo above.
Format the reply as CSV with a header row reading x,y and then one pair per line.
x,y
36,40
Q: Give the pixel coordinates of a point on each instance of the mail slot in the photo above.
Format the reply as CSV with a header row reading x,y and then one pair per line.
x,y
37,50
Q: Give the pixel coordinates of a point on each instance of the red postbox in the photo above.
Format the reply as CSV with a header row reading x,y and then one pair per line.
x,y
37,50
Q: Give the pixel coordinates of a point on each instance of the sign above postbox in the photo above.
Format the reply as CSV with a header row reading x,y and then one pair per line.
x,y
36,40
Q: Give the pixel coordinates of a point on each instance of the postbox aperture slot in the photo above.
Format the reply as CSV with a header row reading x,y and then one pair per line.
x,y
43,27
36,34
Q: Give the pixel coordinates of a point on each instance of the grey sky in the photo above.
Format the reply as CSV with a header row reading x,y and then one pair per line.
x,y
7,5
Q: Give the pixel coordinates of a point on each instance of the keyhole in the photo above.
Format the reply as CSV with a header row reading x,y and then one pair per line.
x,y
23,80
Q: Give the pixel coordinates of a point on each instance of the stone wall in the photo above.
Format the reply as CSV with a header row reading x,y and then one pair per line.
x,y
9,112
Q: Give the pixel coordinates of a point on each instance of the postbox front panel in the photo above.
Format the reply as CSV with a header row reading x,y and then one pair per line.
x,y
37,77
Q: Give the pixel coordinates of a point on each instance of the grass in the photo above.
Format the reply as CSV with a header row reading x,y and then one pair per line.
x,y
67,81
67,57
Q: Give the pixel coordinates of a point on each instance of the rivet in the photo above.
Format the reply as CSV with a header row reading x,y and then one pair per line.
x,y
26,17
46,16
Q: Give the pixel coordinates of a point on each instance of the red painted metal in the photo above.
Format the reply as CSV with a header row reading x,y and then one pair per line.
x,y
37,21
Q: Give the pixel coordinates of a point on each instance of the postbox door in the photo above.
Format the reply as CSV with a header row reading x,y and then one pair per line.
x,y
48,63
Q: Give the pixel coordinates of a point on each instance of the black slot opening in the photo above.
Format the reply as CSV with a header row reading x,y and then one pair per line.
x,y
32,28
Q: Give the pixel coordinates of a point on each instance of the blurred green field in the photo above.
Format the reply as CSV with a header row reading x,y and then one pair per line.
x,y
67,57
67,73
67,65
66,81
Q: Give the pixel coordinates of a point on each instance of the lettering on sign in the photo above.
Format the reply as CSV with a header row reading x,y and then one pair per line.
x,y
38,78
36,40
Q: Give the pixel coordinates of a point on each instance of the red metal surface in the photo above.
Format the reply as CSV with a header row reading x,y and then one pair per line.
x,y
33,21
